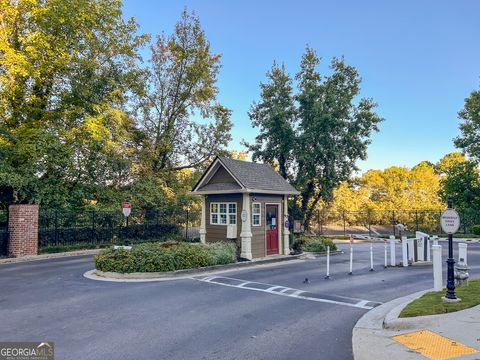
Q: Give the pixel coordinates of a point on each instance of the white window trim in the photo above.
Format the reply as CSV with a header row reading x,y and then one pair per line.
x,y
228,213
259,214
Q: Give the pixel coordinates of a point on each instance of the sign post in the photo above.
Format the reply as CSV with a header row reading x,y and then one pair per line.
x,y
450,222
126,209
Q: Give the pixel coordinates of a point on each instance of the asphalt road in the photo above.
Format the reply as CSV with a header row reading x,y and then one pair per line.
x,y
50,300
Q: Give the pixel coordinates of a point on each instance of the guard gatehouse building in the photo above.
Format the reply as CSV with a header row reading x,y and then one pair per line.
x,y
247,203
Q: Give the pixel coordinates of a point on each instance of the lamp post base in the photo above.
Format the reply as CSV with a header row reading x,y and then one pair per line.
x,y
456,300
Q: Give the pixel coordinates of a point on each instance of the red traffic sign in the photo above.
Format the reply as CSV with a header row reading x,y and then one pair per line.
x,y
126,208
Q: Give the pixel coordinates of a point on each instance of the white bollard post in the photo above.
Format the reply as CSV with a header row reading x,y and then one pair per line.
x,y
351,260
462,253
435,240
428,249
328,263
393,261
437,267
404,251
386,256
371,257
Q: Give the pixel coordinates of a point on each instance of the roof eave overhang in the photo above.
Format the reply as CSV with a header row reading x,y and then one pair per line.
x,y
236,191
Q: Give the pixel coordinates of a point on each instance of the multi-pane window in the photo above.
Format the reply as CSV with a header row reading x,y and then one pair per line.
x,y
223,213
256,214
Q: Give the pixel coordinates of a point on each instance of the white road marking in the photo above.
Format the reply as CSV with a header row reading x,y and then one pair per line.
x,y
363,303
270,289
243,284
298,292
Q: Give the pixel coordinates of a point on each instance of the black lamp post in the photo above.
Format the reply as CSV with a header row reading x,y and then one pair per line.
x,y
450,295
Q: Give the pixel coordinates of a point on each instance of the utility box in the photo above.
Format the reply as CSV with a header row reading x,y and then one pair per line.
x,y
231,231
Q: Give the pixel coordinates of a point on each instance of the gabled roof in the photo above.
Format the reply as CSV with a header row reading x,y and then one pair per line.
x,y
246,177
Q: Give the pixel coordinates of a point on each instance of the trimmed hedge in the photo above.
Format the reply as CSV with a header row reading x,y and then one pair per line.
x,y
475,229
315,244
160,257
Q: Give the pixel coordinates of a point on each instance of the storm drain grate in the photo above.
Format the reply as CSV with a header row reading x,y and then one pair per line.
x,y
433,346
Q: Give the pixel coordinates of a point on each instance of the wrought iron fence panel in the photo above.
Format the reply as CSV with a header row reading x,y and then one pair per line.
x,y
383,222
3,233
62,227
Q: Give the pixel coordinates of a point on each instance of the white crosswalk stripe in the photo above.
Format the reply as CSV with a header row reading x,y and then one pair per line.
x,y
282,291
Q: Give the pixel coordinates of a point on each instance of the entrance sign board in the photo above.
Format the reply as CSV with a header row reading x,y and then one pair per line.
x,y
450,221
126,208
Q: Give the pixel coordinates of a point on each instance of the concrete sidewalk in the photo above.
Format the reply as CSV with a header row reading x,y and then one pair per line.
x,y
445,336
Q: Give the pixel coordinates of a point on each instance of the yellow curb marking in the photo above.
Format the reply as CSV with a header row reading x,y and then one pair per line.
x,y
433,346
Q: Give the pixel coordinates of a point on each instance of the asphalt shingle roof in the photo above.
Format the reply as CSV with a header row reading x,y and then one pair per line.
x,y
257,176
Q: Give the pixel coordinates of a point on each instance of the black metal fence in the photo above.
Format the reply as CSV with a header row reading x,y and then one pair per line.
x,y
3,232
382,222
92,228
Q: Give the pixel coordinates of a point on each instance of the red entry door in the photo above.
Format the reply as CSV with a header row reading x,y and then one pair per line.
x,y
271,226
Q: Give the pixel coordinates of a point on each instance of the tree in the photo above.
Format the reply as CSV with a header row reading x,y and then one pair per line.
x,y
446,164
65,70
181,84
469,140
463,185
334,131
274,116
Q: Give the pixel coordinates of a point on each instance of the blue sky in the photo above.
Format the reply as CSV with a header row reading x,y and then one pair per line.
x,y
417,59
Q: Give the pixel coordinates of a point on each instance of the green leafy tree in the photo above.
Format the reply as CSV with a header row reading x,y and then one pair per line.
x,y
65,70
463,185
330,133
275,118
181,122
469,140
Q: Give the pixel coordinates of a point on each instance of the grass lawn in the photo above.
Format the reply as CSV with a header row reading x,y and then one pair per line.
x,y
431,303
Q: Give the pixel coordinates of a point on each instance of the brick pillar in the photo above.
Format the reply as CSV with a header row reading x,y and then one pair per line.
x,y
23,230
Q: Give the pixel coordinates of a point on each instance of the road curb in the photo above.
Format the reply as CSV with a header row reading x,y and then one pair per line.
x,y
187,273
367,331
49,256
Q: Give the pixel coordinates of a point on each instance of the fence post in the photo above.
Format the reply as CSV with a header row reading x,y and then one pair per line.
x,y
93,227
186,225
416,219
56,228
344,226
393,223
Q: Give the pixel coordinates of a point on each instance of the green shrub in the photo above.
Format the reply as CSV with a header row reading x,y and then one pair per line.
x,y
312,244
475,229
160,257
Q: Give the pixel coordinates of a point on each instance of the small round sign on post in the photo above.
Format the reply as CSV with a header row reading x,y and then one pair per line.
x,y
126,208
450,221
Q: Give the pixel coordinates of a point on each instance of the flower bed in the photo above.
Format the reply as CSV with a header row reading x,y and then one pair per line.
x,y
161,257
